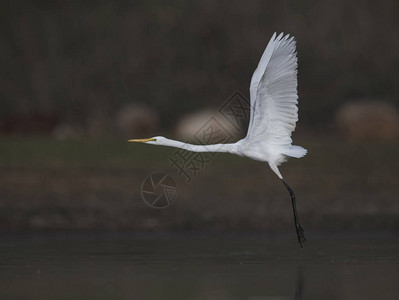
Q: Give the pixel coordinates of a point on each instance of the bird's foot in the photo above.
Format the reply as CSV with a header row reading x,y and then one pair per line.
x,y
301,235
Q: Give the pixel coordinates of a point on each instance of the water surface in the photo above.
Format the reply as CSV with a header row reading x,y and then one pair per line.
x,y
126,266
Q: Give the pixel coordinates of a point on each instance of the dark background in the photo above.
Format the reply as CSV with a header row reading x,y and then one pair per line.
x,y
74,65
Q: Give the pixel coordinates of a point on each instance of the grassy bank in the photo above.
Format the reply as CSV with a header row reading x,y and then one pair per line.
x,y
340,185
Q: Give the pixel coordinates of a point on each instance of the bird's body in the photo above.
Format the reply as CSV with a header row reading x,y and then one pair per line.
x,y
273,93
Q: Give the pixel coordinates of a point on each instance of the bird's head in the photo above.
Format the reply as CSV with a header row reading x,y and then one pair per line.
x,y
156,140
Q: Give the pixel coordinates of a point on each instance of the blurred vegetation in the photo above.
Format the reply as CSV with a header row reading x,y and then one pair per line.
x,y
82,60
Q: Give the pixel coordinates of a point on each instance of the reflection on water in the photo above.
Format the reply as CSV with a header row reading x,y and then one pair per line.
x,y
122,266
299,284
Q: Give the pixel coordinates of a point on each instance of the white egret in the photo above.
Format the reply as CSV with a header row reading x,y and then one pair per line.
x,y
274,113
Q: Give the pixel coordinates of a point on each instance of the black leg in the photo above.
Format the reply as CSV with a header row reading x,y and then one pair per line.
x,y
299,231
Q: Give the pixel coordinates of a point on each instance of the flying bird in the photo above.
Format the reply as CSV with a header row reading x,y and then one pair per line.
x,y
273,116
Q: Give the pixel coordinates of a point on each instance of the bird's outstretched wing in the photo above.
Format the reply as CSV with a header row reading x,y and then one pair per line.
x,y
257,76
274,94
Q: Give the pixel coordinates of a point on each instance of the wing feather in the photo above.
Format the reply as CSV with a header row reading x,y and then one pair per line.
x,y
257,76
274,96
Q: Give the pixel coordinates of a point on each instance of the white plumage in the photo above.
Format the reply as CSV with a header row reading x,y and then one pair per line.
x,y
274,98
274,113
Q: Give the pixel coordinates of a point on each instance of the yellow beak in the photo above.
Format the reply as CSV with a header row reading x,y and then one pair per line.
x,y
142,140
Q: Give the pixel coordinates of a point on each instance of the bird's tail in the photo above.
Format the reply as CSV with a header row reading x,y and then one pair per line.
x,y
295,151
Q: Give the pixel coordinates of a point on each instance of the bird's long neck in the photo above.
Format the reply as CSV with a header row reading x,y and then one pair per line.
x,y
198,148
